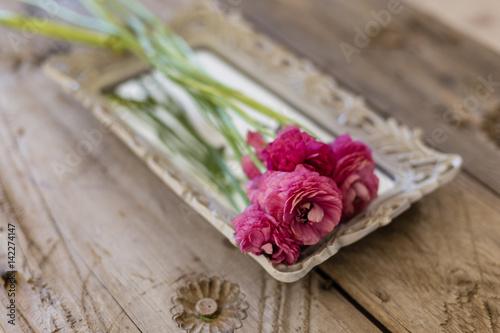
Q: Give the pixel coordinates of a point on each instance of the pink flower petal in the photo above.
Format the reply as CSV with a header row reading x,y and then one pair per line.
x,y
267,248
293,148
316,214
307,204
259,233
354,174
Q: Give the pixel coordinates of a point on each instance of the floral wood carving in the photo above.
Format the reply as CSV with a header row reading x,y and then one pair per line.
x,y
209,306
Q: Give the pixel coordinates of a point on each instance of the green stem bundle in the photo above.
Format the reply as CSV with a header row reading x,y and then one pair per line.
x,y
125,25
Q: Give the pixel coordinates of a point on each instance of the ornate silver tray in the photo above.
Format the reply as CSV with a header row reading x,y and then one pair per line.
x,y
233,51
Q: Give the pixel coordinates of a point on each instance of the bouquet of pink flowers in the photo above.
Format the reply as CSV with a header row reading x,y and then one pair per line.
x,y
309,187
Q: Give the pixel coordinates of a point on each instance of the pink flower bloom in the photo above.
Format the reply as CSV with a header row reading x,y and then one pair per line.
x,y
259,233
293,147
309,204
354,174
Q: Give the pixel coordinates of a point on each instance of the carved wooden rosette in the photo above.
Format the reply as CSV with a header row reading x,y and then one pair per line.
x,y
209,305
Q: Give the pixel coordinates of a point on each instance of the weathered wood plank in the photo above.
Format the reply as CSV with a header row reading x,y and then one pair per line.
x,y
132,236
479,20
55,290
435,267
414,69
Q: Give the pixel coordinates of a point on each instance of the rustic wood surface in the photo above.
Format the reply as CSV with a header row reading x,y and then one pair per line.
x,y
106,248
476,19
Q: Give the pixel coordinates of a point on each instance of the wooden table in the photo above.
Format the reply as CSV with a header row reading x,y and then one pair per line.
x,y
105,249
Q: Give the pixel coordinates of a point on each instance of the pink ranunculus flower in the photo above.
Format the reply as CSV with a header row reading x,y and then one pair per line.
x,y
308,204
293,147
260,233
354,174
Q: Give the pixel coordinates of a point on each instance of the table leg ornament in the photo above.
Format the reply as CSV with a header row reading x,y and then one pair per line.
x,y
319,175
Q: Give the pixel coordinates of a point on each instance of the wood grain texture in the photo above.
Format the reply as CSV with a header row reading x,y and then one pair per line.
x,y
479,20
415,69
437,267
56,290
134,242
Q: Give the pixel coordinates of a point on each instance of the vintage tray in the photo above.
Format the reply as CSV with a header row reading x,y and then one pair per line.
x,y
407,168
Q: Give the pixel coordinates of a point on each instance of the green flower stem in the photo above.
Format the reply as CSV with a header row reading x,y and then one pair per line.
x,y
239,138
78,19
210,109
126,25
65,32
258,126
144,110
228,93
200,80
